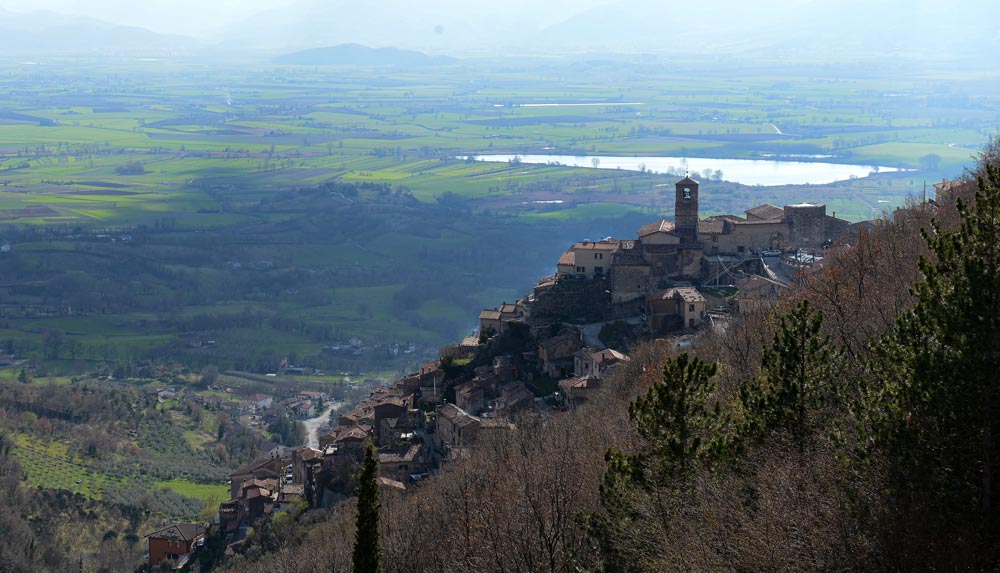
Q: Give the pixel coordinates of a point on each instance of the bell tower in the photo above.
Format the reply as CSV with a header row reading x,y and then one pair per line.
x,y
686,210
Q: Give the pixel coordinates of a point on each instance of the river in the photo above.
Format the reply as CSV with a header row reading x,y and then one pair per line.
x,y
746,171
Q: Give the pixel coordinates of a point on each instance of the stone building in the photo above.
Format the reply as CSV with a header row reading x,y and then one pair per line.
x,y
666,252
675,309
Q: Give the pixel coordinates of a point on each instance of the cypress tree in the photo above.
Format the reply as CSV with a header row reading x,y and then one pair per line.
x,y
367,548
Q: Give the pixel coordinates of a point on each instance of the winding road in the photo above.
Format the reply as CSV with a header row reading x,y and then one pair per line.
x,y
313,425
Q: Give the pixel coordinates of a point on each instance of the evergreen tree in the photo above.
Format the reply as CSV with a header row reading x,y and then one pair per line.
x,y
367,548
676,422
931,413
795,385
680,431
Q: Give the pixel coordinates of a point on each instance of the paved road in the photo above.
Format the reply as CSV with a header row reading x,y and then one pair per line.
x,y
313,426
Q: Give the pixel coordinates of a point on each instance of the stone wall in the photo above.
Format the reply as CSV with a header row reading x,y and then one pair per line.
x,y
574,301
808,224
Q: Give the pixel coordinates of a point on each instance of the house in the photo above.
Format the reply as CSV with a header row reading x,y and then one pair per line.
x,y
576,391
6,359
289,496
675,309
261,401
176,542
318,399
495,320
301,408
588,259
682,249
256,500
591,362
398,464
347,439
757,292
556,353
267,469
470,397
229,516
504,369
455,428
303,462
513,398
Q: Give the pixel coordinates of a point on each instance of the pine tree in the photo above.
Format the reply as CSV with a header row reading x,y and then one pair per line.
x,y
931,413
680,430
795,385
676,422
367,548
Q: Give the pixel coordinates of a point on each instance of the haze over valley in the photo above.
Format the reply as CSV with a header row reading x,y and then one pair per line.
x,y
282,281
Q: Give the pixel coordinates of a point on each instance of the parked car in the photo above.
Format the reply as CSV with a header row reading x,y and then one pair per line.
x,y
771,253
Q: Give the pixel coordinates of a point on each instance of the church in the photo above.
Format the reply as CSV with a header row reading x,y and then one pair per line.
x,y
668,252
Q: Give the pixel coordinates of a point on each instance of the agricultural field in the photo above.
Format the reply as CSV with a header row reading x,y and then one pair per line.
x,y
276,210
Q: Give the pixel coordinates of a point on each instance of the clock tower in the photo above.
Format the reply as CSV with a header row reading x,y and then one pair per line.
x,y
686,210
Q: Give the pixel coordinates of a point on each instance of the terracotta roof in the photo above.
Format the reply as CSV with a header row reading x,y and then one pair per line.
x,y
713,226
391,484
568,258
687,294
489,314
306,454
661,226
574,383
508,308
293,489
630,259
766,211
179,532
470,341
468,388
607,355
408,455
457,416
602,245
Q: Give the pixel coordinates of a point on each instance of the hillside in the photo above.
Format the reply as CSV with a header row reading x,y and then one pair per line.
x,y
47,33
807,436
362,56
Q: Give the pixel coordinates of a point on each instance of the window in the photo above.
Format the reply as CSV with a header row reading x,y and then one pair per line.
x,y
740,249
598,270
686,193
598,255
715,238
690,308
581,269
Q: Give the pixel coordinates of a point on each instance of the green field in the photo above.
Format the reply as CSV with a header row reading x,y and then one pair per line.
x,y
301,206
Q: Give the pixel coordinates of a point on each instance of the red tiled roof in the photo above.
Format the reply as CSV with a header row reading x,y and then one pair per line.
x,y
179,532
661,226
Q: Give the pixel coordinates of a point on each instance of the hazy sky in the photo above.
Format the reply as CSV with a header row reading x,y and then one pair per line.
x,y
202,17
193,17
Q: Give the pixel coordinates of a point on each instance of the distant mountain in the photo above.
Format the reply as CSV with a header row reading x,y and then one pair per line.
x,y
48,33
358,55
455,27
780,29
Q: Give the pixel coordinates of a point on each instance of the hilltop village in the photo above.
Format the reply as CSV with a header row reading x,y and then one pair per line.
x,y
537,356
